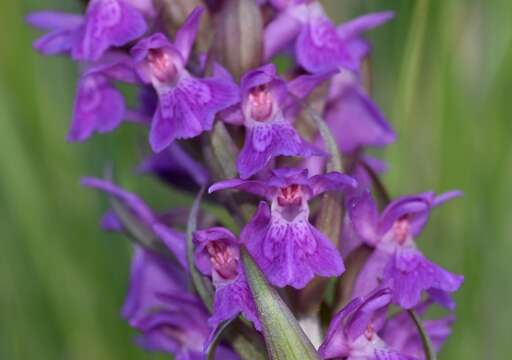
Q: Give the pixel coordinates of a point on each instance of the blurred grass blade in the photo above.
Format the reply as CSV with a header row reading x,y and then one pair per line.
x,y
284,338
203,290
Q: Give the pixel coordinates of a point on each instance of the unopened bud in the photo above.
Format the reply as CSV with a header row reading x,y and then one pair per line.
x,y
239,39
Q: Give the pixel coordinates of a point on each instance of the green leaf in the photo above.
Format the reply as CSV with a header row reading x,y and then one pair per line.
x,y
284,338
200,285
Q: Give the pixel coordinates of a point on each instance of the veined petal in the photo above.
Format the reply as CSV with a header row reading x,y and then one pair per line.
x,y
412,274
173,120
255,187
319,49
108,23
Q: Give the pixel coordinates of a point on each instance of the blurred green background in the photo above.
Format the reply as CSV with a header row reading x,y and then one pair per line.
x,y
442,74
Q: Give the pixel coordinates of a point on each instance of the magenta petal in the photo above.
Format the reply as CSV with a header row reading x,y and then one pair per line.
x,y
149,275
110,222
372,273
116,66
189,109
186,35
319,49
98,106
173,120
290,253
54,20
331,181
301,86
415,207
256,187
326,260
263,75
56,42
412,274
108,23
364,216
387,354
250,160
132,201
175,242
447,196
336,343
232,299
363,23
357,122
279,33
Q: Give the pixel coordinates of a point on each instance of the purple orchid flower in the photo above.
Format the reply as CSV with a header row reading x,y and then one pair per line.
x,y
266,107
396,258
353,117
287,248
106,24
320,46
353,333
169,318
99,106
187,105
217,254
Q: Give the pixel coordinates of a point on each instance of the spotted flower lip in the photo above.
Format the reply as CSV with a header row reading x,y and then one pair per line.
x,y
320,45
217,254
353,332
396,261
106,24
268,103
187,105
288,249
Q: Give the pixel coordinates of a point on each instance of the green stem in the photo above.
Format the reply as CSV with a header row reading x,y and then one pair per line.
x,y
430,353
197,279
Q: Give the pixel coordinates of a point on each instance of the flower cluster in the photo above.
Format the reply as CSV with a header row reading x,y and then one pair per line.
x,y
269,143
